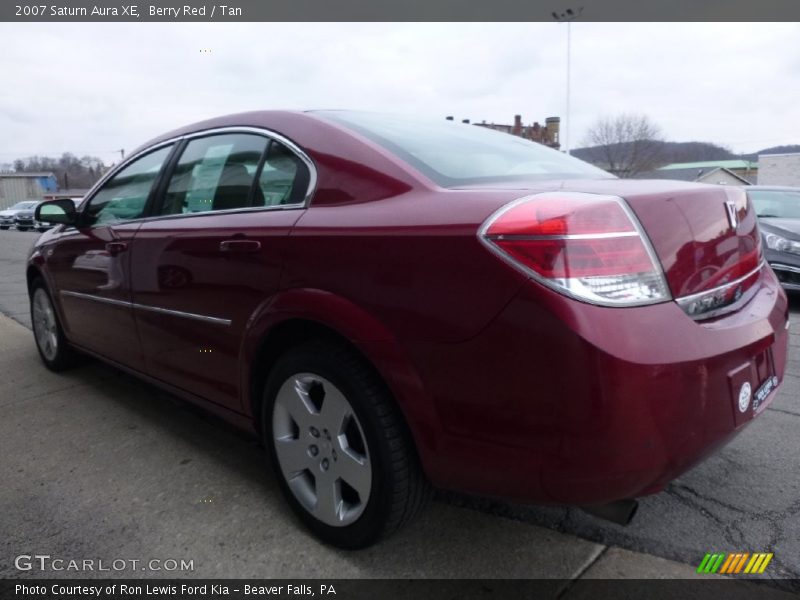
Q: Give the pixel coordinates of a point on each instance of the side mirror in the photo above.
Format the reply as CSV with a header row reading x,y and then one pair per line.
x,y
57,212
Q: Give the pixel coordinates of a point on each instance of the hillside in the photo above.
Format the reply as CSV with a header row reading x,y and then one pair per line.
x,y
680,152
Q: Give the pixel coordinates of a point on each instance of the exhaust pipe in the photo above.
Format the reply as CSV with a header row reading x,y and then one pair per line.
x,y
620,511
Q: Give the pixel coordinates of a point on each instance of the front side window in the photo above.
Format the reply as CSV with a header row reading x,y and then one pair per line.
x,y
215,173
124,196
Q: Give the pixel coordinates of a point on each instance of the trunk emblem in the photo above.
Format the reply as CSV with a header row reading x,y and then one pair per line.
x,y
733,215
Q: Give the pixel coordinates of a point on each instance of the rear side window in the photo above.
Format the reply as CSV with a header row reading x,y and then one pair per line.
x,y
283,179
215,173
124,196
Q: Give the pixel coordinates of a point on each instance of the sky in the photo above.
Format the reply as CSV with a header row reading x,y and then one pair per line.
x,y
95,88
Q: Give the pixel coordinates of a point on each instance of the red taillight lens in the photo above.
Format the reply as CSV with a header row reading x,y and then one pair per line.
x,y
580,257
585,245
562,215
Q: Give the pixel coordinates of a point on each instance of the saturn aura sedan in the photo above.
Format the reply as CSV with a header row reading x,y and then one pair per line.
x,y
396,304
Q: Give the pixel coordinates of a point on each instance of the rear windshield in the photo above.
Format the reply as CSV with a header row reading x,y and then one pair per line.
x,y
457,154
776,203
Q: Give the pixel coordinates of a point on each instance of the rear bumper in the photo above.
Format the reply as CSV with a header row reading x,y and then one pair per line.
x,y
562,402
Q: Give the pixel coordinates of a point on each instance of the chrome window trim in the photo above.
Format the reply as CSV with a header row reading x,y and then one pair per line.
x,y
147,307
264,132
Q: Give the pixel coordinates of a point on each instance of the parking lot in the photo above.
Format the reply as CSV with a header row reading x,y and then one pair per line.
x,y
97,464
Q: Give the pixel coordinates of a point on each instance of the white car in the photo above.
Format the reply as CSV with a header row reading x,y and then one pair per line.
x,y
7,215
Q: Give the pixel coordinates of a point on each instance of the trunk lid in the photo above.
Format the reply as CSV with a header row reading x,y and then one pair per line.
x,y
705,236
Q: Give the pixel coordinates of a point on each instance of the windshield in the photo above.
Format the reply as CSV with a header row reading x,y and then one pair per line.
x,y
26,204
456,154
781,204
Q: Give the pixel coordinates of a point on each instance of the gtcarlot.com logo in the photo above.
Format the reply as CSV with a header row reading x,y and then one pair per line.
x,y
46,562
735,563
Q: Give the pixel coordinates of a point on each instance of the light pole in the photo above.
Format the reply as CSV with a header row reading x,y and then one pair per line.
x,y
568,16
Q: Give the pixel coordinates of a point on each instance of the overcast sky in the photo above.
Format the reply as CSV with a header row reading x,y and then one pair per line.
x,y
94,88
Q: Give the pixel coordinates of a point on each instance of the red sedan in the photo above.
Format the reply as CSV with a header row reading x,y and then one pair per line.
x,y
391,303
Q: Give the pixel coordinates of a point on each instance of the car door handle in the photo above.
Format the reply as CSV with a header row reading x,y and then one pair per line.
x,y
240,246
114,248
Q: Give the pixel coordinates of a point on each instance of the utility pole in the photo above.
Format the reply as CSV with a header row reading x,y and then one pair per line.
x,y
568,16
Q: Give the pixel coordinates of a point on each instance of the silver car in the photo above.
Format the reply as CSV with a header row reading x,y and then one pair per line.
x,y
7,216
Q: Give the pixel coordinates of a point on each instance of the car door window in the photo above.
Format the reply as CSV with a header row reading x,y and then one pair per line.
x,y
284,177
124,196
214,173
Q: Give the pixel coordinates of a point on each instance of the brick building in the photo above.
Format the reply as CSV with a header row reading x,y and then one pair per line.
x,y
547,134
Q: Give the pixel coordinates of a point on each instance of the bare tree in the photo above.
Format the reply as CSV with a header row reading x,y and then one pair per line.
x,y
70,171
626,144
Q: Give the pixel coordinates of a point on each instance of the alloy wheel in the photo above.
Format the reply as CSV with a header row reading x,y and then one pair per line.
x,y
321,449
45,326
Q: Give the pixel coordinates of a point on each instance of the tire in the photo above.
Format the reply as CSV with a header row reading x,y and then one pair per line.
x,y
51,343
22,229
334,433
4,227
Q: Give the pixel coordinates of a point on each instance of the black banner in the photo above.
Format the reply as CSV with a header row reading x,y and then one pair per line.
x,y
392,589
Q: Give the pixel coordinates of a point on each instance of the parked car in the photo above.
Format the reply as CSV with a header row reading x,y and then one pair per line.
x,y
392,302
778,210
24,220
7,215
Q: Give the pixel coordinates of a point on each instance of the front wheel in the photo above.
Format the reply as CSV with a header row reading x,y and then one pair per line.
x,y
4,227
340,448
53,347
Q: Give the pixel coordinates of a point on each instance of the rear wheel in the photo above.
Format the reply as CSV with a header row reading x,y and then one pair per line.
x,y
343,456
3,227
53,347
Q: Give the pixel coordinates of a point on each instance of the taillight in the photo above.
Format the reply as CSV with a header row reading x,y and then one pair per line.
x,y
584,245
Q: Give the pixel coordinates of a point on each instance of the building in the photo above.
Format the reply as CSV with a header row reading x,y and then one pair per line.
x,y
720,172
547,134
746,169
65,194
779,169
16,187
717,175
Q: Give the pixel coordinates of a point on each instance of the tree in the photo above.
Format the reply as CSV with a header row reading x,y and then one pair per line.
x,y
70,171
626,144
